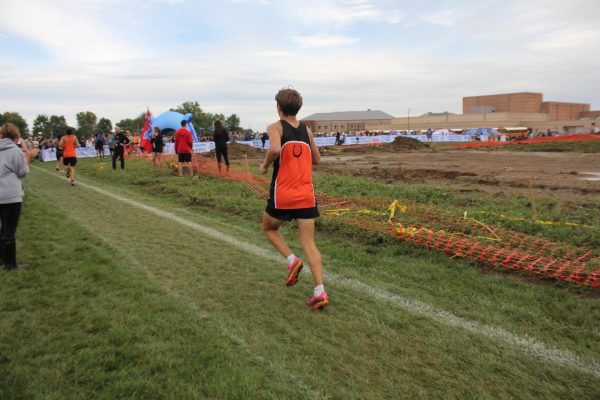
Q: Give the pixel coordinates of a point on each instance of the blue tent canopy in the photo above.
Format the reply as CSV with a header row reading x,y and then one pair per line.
x,y
172,120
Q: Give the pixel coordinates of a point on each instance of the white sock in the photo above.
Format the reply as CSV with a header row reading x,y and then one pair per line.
x,y
291,258
318,290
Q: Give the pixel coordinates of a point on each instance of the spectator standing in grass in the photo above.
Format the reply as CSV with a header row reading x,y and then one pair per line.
x,y
27,143
292,151
263,139
59,155
69,143
221,137
110,140
429,135
13,168
183,147
100,145
120,141
136,144
158,145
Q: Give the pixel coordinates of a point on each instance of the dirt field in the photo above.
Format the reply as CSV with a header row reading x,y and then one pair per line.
x,y
564,174
574,176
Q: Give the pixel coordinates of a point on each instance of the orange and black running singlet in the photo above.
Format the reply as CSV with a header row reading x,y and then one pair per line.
x,y
69,148
291,185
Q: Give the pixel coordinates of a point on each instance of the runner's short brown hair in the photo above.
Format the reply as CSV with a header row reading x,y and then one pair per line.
x,y
9,131
289,101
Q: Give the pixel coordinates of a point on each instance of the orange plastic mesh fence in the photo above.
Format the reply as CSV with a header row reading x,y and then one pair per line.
x,y
431,227
563,138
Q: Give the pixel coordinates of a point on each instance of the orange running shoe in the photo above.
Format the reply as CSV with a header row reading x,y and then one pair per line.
x,y
293,271
318,301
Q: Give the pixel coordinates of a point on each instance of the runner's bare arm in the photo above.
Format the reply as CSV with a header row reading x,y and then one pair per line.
x,y
76,143
314,150
275,131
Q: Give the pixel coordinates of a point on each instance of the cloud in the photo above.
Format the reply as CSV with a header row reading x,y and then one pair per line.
x,y
443,18
323,40
340,55
345,12
72,31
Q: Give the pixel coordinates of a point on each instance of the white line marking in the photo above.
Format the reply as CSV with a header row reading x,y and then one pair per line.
x,y
525,345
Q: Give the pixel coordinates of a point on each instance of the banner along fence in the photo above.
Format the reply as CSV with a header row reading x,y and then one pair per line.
x,y
205,147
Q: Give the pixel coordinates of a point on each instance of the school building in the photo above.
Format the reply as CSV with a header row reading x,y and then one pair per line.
x,y
524,109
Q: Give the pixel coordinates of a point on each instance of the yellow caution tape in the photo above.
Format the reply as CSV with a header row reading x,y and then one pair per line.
x,y
343,211
537,221
411,230
484,225
396,205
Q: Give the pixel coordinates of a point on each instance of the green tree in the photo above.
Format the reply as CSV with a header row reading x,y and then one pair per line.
x,y
15,118
104,125
86,123
216,117
189,107
204,121
41,126
232,123
57,125
135,124
201,120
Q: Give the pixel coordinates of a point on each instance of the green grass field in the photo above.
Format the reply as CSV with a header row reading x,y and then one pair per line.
x,y
142,285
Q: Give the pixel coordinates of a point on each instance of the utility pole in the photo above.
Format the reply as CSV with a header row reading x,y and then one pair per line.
x,y
408,129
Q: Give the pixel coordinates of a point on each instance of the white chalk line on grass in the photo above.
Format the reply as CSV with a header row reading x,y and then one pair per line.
x,y
221,327
200,313
525,345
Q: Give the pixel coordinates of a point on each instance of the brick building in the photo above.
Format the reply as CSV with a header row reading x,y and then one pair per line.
x,y
524,109
524,102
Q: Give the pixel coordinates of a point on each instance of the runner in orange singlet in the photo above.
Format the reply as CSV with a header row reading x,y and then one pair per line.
x,y
293,151
69,143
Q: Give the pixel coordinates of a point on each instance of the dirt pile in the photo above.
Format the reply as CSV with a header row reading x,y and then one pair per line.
x,y
237,151
399,144
405,143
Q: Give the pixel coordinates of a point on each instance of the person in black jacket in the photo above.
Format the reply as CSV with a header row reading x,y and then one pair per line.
x,y
221,137
158,144
119,152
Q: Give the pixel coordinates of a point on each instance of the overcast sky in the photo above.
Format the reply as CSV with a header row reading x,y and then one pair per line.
x,y
116,58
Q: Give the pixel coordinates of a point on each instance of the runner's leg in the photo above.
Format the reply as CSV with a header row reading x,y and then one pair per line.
x,y
271,229
306,235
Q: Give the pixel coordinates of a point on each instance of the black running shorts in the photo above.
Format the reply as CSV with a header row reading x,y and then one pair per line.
x,y
184,157
70,161
288,215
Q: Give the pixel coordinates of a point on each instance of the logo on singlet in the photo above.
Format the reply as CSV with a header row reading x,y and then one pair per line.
x,y
299,146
